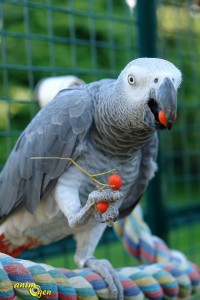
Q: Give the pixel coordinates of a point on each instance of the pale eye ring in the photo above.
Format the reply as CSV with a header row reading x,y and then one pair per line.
x,y
131,79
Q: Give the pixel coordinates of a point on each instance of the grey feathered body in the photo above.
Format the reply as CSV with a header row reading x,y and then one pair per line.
x,y
103,144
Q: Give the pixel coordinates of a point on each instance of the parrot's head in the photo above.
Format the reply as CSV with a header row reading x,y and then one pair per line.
x,y
149,87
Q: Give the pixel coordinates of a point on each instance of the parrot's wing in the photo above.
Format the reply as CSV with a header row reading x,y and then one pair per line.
x,y
59,129
148,167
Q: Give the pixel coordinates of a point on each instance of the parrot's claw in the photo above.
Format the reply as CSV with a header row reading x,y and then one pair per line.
x,y
114,198
111,214
105,269
106,195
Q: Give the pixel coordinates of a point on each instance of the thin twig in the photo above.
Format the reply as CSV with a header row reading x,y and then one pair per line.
x,y
95,181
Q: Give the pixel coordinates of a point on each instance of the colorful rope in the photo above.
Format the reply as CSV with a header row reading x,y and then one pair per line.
x,y
164,274
159,261
17,277
145,282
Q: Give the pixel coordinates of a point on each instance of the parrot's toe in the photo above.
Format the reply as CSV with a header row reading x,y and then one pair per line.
x,y
114,200
106,195
105,269
111,214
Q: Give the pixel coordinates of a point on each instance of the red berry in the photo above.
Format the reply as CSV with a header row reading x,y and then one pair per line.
x,y
115,181
102,206
162,118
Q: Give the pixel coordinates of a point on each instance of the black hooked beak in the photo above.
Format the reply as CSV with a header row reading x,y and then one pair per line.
x,y
163,104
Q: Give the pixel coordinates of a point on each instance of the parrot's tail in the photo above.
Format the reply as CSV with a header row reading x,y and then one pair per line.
x,y
8,248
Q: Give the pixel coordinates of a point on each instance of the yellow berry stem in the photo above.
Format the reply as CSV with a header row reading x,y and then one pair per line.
x,y
104,173
95,181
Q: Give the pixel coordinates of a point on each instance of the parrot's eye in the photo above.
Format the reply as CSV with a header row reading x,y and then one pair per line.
x,y
131,79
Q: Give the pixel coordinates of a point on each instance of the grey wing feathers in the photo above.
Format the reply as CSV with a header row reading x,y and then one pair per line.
x,y
148,167
56,130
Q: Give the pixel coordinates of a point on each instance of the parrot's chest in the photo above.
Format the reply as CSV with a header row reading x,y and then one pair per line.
x,y
95,162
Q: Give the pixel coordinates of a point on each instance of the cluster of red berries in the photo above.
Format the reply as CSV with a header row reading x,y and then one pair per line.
x,y
115,182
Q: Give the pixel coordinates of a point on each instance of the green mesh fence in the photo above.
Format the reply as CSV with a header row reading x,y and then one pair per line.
x,y
178,41
43,38
92,40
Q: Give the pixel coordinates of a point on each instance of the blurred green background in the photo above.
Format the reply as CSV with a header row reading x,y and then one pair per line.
x,y
93,40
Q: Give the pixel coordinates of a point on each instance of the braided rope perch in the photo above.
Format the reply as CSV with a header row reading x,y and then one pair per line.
x,y
164,274
154,254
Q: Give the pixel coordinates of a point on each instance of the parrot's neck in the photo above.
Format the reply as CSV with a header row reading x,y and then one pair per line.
x,y
115,142
115,137
116,130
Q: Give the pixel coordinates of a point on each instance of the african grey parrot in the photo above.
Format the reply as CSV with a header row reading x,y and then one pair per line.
x,y
102,125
